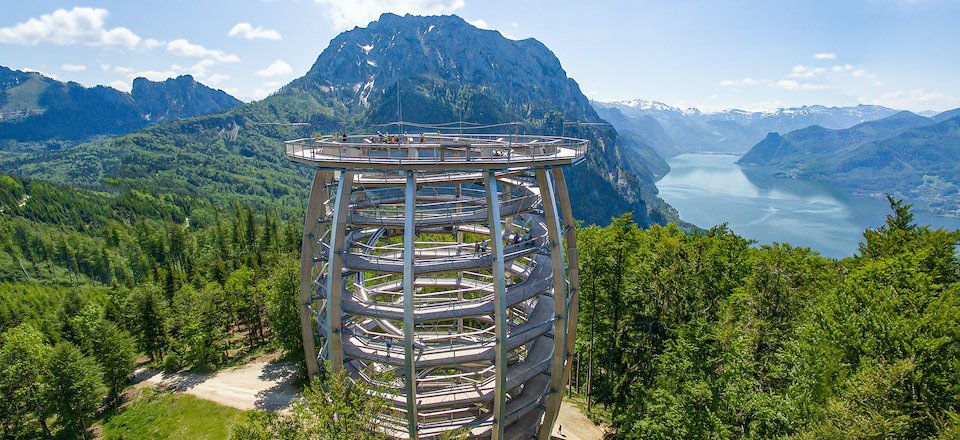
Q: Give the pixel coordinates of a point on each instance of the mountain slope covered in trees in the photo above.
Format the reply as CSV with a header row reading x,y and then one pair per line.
x,y
443,70
703,336
36,108
905,154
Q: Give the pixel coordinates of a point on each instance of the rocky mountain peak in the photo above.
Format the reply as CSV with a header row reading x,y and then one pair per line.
x,y
364,63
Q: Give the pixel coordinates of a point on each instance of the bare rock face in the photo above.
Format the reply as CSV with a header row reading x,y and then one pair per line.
x,y
524,75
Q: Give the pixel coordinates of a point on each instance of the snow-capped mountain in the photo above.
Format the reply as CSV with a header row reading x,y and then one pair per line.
x,y
734,130
643,104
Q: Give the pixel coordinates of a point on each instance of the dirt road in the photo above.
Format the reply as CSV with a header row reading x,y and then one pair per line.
x,y
257,385
270,386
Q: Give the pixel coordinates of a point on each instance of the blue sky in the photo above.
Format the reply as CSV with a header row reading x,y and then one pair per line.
x,y
708,54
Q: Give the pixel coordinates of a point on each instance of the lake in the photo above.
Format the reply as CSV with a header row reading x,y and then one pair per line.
x,y
709,189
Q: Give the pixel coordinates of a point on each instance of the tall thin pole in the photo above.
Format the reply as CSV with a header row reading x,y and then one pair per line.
x,y
409,363
499,307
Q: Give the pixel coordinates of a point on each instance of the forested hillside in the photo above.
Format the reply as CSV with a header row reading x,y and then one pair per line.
x,y
688,336
178,246
88,281
430,62
905,154
38,109
704,336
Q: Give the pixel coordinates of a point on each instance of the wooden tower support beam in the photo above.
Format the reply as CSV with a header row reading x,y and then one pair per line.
x,y
552,219
314,227
499,307
335,271
573,265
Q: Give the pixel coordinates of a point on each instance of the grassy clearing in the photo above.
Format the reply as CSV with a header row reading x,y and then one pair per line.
x,y
160,415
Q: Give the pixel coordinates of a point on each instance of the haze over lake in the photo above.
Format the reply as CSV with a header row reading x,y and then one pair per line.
x,y
709,189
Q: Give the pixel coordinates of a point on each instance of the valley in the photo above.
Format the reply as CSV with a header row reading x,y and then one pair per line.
x,y
789,273
710,189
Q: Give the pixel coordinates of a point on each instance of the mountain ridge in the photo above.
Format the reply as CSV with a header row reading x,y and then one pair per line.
x,y
796,148
35,107
461,73
735,130
905,154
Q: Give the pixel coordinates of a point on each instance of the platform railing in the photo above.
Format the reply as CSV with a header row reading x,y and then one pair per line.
x,y
435,149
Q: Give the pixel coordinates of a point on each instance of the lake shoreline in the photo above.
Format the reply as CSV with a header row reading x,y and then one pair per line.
x,y
709,189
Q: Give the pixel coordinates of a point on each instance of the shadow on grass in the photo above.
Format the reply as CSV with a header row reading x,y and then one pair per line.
x,y
178,382
284,392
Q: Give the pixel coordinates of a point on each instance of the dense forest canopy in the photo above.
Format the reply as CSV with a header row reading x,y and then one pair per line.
x,y
702,335
706,336
178,247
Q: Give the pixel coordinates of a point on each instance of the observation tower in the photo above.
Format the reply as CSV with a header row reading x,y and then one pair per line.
x,y
442,268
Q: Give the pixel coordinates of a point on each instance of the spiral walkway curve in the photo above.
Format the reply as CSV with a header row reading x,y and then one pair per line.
x,y
442,269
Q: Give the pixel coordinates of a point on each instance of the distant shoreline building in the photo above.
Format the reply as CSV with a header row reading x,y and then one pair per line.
x,y
447,262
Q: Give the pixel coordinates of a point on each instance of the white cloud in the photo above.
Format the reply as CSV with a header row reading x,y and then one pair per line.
x,y
278,68
79,25
801,71
73,67
916,100
786,84
235,92
247,31
274,84
348,13
154,75
825,56
151,43
217,78
122,69
480,23
199,69
120,85
843,68
48,75
185,48
739,82
262,93
859,73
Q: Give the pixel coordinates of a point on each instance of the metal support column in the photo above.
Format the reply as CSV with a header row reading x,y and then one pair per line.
x,y
313,230
409,363
499,307
552,219
459,194
508,221
335,270
573,266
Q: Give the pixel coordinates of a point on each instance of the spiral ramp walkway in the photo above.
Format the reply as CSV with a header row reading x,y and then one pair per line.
x,y
453,293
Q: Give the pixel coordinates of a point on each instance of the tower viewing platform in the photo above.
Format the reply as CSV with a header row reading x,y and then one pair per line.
x,y
437,151
447,264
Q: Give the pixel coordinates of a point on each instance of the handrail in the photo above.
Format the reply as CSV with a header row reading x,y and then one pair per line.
x,y
456,150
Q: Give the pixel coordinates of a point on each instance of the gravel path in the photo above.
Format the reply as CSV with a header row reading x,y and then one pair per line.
x,y
257,385
270,386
